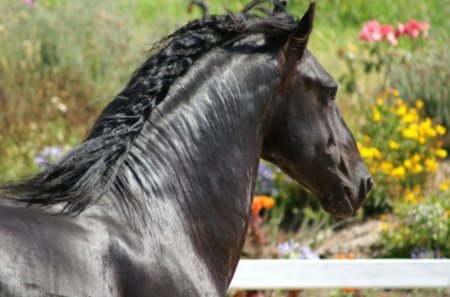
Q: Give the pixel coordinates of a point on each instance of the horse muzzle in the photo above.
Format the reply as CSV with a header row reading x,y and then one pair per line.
x,y
344,200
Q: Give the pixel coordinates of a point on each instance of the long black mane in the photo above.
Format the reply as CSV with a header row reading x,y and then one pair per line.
x,y
93,167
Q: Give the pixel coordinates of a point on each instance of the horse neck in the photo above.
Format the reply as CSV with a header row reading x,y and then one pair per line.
x,y
195,163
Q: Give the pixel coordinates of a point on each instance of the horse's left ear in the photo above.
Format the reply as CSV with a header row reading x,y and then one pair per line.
x,y
298,40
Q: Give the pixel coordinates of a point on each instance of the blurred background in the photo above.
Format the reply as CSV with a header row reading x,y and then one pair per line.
x,y
61,61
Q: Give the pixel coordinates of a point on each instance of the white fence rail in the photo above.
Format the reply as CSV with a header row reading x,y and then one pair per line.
x,y
309,274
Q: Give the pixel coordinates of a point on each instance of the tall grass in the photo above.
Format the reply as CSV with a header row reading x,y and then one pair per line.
x,y
59,63
426,77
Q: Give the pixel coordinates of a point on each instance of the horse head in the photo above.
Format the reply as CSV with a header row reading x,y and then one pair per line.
x,y
305,134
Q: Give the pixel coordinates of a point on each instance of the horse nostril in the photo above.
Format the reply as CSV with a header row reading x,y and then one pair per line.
x,y
369,184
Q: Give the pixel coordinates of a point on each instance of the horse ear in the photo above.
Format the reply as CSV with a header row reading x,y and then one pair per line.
x,y
298,40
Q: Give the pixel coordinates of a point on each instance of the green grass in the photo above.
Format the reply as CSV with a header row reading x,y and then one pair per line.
x,y
83,52
80,52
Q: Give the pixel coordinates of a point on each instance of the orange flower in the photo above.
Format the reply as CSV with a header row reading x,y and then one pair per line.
x,y
256,206
343,256
268,202
260,202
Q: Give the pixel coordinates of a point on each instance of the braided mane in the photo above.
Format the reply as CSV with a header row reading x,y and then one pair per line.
x,y
90,169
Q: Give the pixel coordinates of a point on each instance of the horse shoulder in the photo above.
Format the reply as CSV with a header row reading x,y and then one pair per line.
x,y
43,254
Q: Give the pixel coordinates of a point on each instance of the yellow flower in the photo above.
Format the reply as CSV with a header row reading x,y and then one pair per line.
x,y
384,227
365,153
408,164
399,172
441,153
413,195
440,129
393,145
410,116
431,132
409,196
418,168
395,93
410,133
401,110
376,153
419,104
416,158
426,128
386,167
399,102
376,116
368,153
379,101
445,186
431,165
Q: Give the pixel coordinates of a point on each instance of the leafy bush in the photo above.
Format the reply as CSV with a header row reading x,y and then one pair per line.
x,y
400,147
420,227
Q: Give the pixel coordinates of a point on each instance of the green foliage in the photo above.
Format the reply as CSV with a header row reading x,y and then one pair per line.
x,y
420,229
401,147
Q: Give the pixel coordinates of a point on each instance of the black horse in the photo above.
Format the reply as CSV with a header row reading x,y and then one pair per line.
x,y
156,200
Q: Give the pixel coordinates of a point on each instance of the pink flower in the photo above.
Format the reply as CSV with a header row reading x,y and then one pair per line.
x,y
29,3
414,28
371,31
388,34
400,30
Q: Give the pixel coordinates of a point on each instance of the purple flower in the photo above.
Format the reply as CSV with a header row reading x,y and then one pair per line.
x,y
425,253
265,183
41,161
292,250
264,171
286,247
307,253
48,155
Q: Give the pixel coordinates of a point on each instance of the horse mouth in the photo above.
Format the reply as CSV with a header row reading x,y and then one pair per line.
x,y
345,202
338,206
